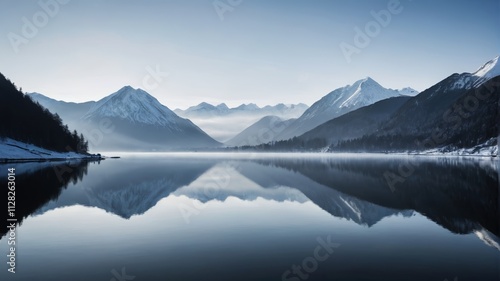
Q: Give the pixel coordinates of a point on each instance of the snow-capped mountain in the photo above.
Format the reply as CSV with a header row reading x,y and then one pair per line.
x,y
408,92
135,106
357,123
460,113
134,120
429,106
467,81
486,72
262,131
340,101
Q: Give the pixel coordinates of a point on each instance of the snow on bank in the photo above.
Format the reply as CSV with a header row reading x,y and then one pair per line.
x,y
489,148
15,150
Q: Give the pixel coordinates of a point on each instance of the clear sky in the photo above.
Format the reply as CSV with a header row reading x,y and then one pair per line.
x,y
239,51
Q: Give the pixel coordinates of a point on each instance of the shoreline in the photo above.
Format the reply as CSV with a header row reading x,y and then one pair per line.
x,y
55,159
297,153
12,151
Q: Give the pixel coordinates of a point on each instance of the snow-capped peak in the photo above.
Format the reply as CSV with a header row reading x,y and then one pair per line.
x,y
364,92
342,100
134,105
487,71
368,79
408,92
488,68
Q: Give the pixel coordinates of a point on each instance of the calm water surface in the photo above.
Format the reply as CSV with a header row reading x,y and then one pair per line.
x,y
256,217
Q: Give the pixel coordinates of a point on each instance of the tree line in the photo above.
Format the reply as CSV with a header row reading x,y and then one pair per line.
x,y
27,121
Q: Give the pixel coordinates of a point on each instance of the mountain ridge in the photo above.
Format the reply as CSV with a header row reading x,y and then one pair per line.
x,y
338,102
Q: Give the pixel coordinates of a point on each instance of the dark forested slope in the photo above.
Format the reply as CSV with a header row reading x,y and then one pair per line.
x,y
26,121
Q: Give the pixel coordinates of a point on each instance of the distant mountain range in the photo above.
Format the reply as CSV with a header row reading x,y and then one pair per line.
x,y
363,116
223,123
207,110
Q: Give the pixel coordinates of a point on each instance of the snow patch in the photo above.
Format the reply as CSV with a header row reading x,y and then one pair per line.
x,y
488,148
16,150
489,70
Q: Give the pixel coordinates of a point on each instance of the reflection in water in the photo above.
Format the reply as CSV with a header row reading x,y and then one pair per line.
x,y
462,196
266,213
131,188
38,183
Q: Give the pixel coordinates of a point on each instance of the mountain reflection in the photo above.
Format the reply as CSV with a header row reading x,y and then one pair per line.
x,y
131,187
460,195
39,183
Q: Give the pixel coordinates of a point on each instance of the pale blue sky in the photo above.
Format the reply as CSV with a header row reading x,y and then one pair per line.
x,y
262,51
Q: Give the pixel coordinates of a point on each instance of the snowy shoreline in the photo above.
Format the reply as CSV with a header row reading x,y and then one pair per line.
x,y
16,151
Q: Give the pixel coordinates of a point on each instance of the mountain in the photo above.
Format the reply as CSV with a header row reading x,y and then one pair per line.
x,y
262,131
408,92
208,110
26,121
131,119
204,109
433,102
340,101
460,111
134,106
247,107
223,123
70,112
356,123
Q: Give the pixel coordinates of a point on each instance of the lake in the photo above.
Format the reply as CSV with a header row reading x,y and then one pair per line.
x,y
290,217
